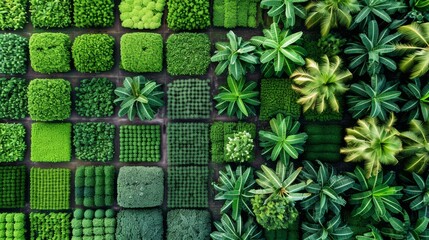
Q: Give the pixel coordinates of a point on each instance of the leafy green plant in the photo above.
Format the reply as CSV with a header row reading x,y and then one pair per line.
x,y
331,44
376,9
94,97
137,14
94,186
13,53
13,14
283,141
50,14
93,53
133,224
417,193
407,229
12,187
235,230
285,11
12,142
94,141
239,147
417,105
332,228
54,225
188,15
416,147
373,234
93,224
93,13
51,142
188,224
148,149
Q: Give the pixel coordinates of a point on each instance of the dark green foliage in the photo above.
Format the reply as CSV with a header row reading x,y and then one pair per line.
x,y
416,193
323,143
49,99
50,188
49,225
188,187
50,52
50,13
188,54
94,186
331,44
12,226
227,228
140,187
13,14
407,229
94,141
188,224
188,15
93,52
141,52
329,228
12,187
51,142
235,13
218,13
94,97
13,53
98,224
139,224
93,13
138,14
12,142
140,143
189,99
188,143
13,98
417,106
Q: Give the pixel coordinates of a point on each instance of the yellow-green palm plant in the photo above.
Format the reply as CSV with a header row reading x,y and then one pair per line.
x,y
416,146
320,84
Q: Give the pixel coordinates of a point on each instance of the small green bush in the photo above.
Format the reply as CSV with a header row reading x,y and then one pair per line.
x,y
140,187
323,143
140,224
141,52
137,14
188,224
93,13
50,13
13,98
93,53
99,224
94,141
235,13
94,186
12,226
12,142
94,98
49,99
13,53
13,14
50,52
51,142
140,143
49,225
188,54
12,187
188,15
50,188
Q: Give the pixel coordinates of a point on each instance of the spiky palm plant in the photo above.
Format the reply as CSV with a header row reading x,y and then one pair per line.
x,y
418,195
325,229
416,147
418,100
285,11
235,230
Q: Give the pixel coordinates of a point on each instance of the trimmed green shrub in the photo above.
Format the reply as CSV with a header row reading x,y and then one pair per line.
x,y
188,187
50,13
13,53
12,187
140,143
188,224
50,52
13,14
51,142
49,225
141,52
12,226
324,142
94,186
93,52
93,13
189,99
188,15
13,98
49,99
235,13
12,142
137,14
140,187
94,141
140,224
94,97
188,143
188,54
277,96
99,224
50,188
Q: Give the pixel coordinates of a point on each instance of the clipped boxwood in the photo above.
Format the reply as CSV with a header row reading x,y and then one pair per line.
x,y
188,224
89,224
140,224
12,187
93,13
12,142
13,98
93,53
94,97
51,142
137,14
188,15
13,14
50,52
50,13
140,143
94,186
12,226
13,53
94,141
50,225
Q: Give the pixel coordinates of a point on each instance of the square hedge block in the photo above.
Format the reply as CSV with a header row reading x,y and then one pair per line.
x,y
93,53
49,225
94,98
188,143
50,188
13,98
50,13
140,224
188,187
93,13
51,142
188,224
141,52
50,52
13,53
324,142
140,143
94,141
94,186
13,14
90,224
140,187
12,186
188,15
12,142
12,226
137,14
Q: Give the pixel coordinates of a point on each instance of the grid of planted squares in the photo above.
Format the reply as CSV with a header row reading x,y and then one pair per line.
x,y
94,186
50,188
90,224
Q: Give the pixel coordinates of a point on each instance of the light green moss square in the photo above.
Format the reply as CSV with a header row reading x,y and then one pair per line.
x,y
51,142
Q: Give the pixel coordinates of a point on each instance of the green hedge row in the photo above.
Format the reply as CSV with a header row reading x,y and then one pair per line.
x,y
49,225
140,143
50,188
12,226
12,187
94,186
94,141
51,142
90,224
323,143
12,142
235,13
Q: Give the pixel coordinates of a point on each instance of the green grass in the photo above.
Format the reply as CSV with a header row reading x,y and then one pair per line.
x,y
51,142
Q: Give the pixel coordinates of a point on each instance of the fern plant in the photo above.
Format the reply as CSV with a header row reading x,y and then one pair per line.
x,y
236,230
417,105
418,195
327,229
406,229
416,147
285,11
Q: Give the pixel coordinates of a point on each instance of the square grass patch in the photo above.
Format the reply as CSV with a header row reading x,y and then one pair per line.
x,y
140,224
13,53
94,98
188,54
12,186
188,187
49,225
50,52
94,186
13,14
12,142
50,13
141,52
13,98
137,14
94,141
89,224
188,224
12,226
93,53
93,13
51,142
50,188
188,143
140,143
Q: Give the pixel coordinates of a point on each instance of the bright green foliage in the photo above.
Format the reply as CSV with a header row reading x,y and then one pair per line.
x,y
93,53
13,14
187,187
13,98
12,226
12,187
49,99
188,224
416,147
188,143
49,225
417,106
94,141
93,13
235,13
139,224
13,53
140,187
188,54
50,188
417,193
188,15
406,229
328,229
189,99
376,10
141,52
51,142
94,97
323,142
94,186
285,11
50,13
239,147
331,45
230,229
12,142
50,52
140,143
138,14
98,224
277,96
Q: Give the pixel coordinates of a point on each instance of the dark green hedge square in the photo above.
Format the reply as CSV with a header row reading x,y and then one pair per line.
x,y
140,224
50,13
13,14
93,53
12,186
140,143
13,98
94,186
13,53
94,98
50,188
188,187
94,141
93,13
